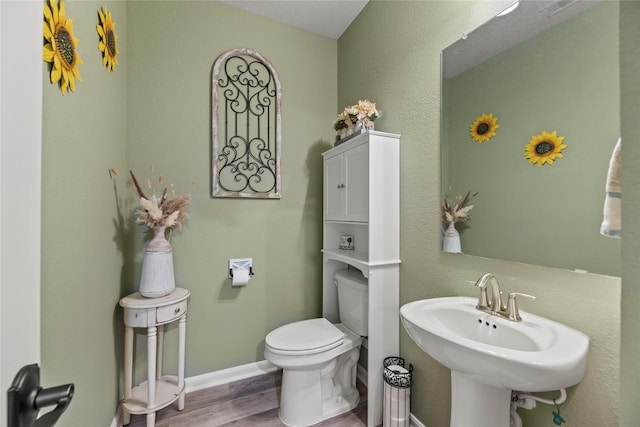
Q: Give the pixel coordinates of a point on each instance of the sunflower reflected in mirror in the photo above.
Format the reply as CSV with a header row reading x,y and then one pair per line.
x,y
108,39
484,128
60,46
544,148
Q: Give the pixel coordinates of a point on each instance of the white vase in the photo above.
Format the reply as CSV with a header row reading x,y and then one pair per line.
x,y
367,125
157,278
451,240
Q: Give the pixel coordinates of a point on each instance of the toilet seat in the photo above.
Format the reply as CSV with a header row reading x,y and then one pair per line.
x,y
304,338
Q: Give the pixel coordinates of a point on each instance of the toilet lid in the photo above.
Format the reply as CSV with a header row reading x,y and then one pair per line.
x,y
305,337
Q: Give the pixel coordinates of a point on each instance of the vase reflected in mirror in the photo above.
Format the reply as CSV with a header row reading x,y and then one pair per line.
x,y
451,240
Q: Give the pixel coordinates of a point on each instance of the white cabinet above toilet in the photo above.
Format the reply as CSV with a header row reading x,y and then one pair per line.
x,y
346,183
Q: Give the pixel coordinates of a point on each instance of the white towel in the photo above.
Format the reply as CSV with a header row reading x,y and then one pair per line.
x,y
612,215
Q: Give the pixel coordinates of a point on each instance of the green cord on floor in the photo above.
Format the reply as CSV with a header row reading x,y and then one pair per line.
x,y
557,419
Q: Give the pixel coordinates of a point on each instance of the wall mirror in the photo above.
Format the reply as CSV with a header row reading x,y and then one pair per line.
x,y
544,66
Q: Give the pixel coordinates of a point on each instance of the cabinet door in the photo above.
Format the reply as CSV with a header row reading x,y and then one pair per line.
x,y
333,188
356,170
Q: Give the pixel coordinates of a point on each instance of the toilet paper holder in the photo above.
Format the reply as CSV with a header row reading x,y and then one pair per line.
x,y
240,264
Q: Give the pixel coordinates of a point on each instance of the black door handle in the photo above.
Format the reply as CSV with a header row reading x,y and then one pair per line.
x,y
25,398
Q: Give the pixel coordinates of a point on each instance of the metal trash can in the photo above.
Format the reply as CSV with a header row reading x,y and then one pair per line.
x,y
397,393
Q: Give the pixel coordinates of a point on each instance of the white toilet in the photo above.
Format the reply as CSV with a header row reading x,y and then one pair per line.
x,y
319,358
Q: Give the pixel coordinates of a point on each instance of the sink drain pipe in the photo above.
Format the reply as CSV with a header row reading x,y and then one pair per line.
x,y
528,401
516,395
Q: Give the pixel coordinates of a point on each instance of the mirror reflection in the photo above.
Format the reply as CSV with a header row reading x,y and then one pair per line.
x,y
559,72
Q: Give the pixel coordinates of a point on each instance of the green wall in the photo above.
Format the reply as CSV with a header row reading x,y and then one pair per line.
x,y
84,134
156,109
630,111
531,88
391,55
169,111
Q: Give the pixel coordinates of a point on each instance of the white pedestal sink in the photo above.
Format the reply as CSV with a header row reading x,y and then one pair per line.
x,y
490,356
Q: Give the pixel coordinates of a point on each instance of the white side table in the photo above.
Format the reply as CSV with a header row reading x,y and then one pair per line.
x,y
159,390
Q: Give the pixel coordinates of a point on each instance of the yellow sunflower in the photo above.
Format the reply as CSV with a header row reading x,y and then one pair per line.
x,y
108,39
544,148
484,128
60,46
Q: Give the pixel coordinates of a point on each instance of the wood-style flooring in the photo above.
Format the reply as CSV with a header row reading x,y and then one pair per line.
x,y
245,403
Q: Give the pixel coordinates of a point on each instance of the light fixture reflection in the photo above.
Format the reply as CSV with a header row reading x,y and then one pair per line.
x,y
509,9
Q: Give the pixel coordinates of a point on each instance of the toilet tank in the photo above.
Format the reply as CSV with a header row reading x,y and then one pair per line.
x,y
353,300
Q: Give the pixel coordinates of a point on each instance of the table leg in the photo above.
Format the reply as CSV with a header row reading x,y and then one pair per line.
x,y
182,327
128,371
152,346
160,351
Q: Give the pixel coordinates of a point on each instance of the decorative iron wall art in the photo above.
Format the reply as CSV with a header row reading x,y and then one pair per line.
x,y
246,126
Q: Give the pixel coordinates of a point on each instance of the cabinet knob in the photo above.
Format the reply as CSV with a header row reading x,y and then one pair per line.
x,y
176,311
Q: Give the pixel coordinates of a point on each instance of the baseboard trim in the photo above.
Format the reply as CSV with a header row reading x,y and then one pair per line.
x,y
225,376
117,418
236,373
415,422
361,375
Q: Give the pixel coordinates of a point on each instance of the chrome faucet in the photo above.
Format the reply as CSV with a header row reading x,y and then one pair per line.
x,y
494,305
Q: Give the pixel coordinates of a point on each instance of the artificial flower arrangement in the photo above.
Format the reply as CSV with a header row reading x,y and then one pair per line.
x,y
457,209
108,43
364,111
484,128
169,210
60,46
545,147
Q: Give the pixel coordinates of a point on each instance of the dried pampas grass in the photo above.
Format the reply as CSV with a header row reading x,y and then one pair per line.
x,y
164,211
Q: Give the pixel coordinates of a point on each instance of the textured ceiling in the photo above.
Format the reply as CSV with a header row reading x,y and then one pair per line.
x,y
501,33
329,18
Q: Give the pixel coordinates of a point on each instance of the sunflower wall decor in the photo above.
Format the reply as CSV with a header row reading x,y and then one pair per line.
x,y
108,43
544,148
60,46
484,128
